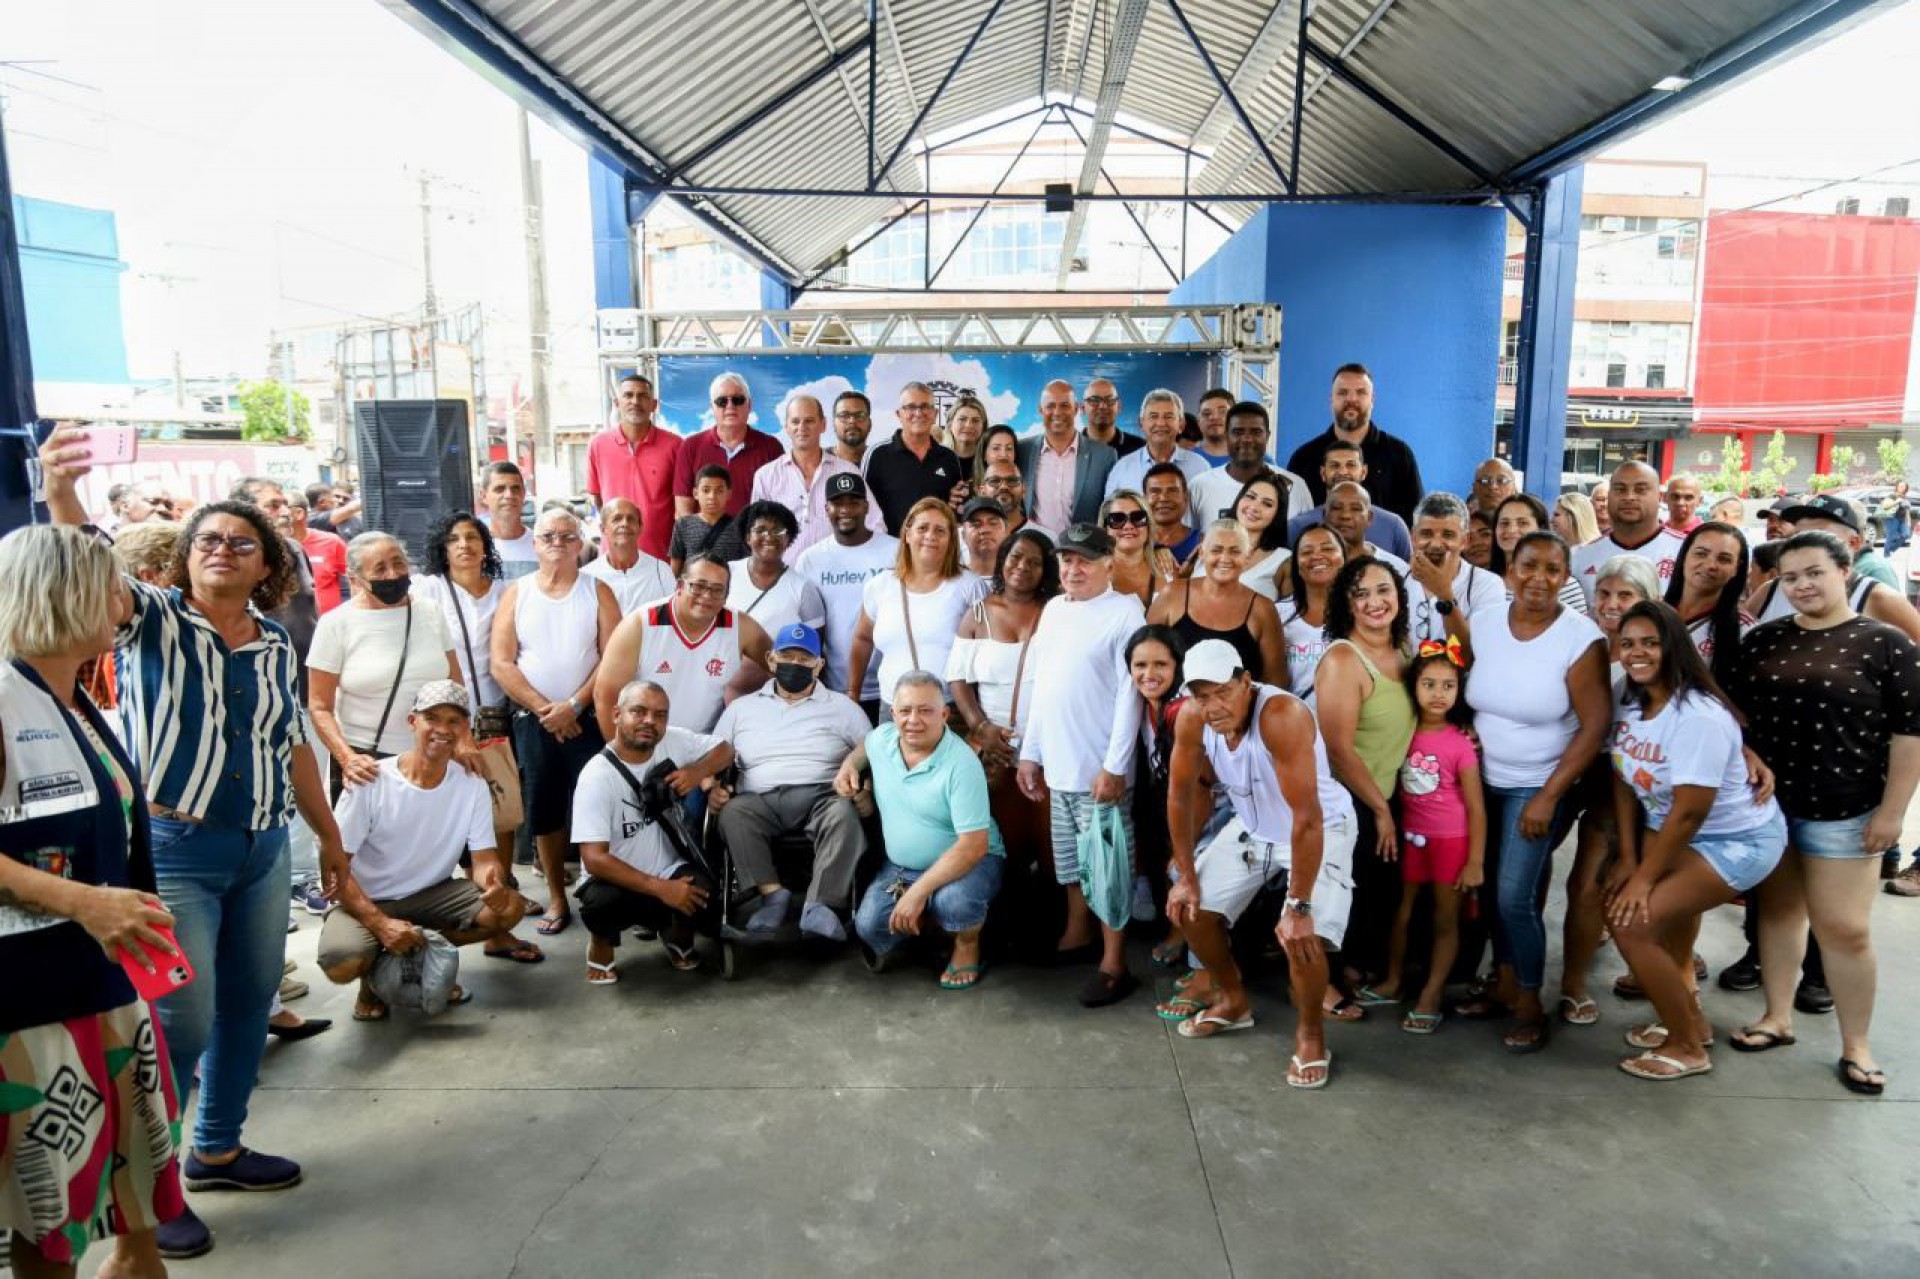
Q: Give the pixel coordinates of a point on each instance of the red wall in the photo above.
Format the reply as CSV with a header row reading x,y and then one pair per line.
x,y
1805,320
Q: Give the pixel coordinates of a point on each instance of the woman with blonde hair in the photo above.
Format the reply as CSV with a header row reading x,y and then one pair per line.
x,y
965,425
1574,520
911,612
1140,568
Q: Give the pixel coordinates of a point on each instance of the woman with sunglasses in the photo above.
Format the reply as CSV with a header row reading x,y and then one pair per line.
x,y
1215,604
1140,568
1513,519
1261,509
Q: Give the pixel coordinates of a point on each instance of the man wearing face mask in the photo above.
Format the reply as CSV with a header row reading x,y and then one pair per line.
x,y
790,738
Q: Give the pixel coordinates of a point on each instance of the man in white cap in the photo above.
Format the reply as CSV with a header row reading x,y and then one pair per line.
x,y
1293,828
404,833
790,738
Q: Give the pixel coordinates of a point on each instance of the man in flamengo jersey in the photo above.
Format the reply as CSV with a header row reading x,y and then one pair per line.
x,y
1633,501
691,645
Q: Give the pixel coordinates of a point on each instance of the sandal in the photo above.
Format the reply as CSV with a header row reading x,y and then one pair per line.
x,y
1481,1008
1208,1024
1654,1035
1179,1008
521,952
1749,1039
1368,997
599,974
459,995
375,1011
1345,1009
683,958
1104,988
1528,1036
962,976
1578,1010
554,925
1297,1071
1868,1083
1168,954
1419,1023
1642,1067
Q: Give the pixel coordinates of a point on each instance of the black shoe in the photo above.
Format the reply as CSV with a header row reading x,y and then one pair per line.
x,y
183,1237
1890,863
1742,974
1813,998
305,1030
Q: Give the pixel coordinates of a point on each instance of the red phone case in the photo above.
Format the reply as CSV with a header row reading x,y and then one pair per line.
x,y
170,972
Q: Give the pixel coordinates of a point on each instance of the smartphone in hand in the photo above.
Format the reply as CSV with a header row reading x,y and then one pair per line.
x,y
170,972
111,445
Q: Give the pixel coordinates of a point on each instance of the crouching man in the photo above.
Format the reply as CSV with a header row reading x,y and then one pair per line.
x,y
643,866
1293,829
944,856
404,832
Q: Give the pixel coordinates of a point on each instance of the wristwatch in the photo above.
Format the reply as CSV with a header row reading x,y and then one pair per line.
x,y
1299,906
579,711
1443,607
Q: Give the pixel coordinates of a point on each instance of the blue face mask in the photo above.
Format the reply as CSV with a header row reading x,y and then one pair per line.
x,y
392,590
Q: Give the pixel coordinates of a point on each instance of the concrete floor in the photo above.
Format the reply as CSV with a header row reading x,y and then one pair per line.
x,y
812,1119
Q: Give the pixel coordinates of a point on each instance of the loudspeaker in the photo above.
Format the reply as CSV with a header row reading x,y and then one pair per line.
x,y
1059,197
415,467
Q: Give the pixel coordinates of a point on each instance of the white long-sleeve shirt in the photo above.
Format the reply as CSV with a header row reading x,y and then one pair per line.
x,y
1086,715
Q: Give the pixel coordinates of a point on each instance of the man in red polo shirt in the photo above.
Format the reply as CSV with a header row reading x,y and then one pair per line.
x,y
636,460
729,442
325,551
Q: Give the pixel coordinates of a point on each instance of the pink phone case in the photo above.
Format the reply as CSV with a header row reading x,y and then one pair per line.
x,y
111,445
170,972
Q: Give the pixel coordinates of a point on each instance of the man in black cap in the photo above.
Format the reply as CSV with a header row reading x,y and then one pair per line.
x,y
983,527
839,568
1077,750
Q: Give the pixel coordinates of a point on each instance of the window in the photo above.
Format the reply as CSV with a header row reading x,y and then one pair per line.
x,y
1847,206
1616,375
1656,377
1510,341
1896,206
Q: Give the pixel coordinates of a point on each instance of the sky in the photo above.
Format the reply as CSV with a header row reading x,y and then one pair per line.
x,y
263,161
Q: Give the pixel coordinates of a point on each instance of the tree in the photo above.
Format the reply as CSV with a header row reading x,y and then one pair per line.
x,y
1734,477
1893,459
1839,469
265,404
1771,474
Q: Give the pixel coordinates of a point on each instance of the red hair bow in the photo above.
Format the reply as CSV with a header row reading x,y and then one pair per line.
x,y
1430,648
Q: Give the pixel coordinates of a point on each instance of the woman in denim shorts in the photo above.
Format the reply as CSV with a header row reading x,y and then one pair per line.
x,y
1678,764
1833,704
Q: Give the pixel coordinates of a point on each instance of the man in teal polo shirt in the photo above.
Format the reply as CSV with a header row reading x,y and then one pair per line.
x,y
944,856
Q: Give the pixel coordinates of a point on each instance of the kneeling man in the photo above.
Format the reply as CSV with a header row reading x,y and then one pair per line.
x,y
404,832
944,855
1293,828
636,876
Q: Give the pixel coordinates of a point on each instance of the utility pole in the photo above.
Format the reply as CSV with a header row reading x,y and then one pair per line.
x,y
539,347
432,314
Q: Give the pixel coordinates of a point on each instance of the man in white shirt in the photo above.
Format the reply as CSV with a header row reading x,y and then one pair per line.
x,y
636,876
798,479
790,738
839,567
505,494
1443,590
404,833
1494,481
1633,505
1161,417
1249,432
1078,747
633,576
1214,406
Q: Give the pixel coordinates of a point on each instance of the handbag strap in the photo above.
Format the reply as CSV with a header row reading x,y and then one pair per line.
x,y
906,620
1019,669
620,767
406,639
454,591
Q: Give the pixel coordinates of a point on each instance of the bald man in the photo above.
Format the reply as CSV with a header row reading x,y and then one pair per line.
x,y
634,577
1683,504
1633,502
1494,482
1066,472
1100,410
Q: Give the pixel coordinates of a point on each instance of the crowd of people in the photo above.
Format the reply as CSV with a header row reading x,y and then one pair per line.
x,y
999,695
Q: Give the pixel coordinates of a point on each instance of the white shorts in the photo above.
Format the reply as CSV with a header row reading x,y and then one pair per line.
x,y
1235,867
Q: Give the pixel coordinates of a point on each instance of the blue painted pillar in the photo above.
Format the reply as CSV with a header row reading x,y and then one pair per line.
x,y
613,282
1546,333
17,410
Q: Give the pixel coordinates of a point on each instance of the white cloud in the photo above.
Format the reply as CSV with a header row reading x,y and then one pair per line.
x,y
822,389
886,374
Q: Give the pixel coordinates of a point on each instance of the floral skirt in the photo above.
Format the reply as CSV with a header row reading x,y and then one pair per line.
x,y
89,1130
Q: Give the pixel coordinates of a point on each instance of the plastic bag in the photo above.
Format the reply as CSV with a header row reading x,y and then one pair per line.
x,y
1106,866
422,979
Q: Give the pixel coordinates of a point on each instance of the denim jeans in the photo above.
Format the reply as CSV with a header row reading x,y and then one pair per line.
x,y
227,890
1519,869
957,907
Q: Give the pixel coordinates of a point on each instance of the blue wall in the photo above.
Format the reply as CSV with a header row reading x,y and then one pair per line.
x,y
1411,291
70,272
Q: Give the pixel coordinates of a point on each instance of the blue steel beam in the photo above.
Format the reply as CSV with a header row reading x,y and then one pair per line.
x,y
1468,195
873,89
740,127
1226,91
613,282
461,28
17,409
1299,93
1544,351
1787,31
966,51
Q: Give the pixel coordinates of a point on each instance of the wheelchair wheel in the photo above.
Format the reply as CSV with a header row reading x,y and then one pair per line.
x,y
730,961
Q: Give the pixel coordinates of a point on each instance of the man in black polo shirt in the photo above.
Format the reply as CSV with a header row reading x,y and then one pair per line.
x,y
911,465
1393,476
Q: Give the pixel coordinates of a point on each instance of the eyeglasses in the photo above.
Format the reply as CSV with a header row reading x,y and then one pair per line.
x,y
760,531
1122,519
1001,482
1103,399
556,539
852,415
916,408
208,543
1494,481
728,401
708,589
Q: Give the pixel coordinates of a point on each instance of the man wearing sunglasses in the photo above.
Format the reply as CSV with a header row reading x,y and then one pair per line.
x,y
729,442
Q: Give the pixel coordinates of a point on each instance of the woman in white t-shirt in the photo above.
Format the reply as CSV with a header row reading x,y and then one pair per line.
x,y
1307,579
369,657
911,612
1541,722
464,577
761,586
1678,768
1261,509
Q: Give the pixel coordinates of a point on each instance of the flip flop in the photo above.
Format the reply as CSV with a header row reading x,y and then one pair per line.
x,y
1297,1068
1207,1024
1868,1087
1481,1008
1579,1011
1345,1010
1168,954
377,1012
553,925
1679,1071
1368,997
1179,1008
521,952
608,976
459,995
1421,1023
683,958
1542,1029
956,970
1742,1040
1653,1035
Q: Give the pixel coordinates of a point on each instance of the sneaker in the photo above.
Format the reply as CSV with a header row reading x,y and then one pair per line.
x,y
1890,864
1143,912
819,920
292,988
313,901
1906,883
251,1171
183,1237
772,912
1813,998
1742,974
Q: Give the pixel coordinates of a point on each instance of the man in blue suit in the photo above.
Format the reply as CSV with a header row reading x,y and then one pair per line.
x,y
1065,470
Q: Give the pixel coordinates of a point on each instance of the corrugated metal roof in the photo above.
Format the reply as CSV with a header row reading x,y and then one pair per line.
x,y
1501,80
